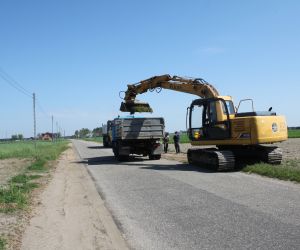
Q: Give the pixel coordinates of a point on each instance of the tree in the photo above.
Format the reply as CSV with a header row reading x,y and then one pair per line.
x,y
20,136
14,137
97,132
84,132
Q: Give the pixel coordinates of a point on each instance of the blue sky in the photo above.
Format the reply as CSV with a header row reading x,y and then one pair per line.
x,y
77,55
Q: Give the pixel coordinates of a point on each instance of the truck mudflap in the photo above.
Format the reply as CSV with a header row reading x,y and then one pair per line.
x,y
157,150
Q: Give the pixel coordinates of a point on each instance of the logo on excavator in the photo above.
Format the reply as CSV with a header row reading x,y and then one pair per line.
x,y
274,127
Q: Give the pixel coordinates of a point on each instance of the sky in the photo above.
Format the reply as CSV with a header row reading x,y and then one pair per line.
x,y
76,56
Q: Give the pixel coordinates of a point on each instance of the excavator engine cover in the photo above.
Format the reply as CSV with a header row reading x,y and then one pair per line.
x,y
135,106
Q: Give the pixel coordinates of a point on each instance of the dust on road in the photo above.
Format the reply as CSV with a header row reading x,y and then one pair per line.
x,y
71,214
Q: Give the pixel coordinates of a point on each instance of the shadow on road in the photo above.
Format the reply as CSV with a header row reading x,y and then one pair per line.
x,y
96,147
144,163
107,160
179,167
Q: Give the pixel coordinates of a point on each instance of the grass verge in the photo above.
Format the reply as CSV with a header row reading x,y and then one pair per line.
x,y
16,193
2,243
288,170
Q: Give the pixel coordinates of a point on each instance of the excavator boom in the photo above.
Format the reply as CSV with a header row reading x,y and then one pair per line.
x,y
196,86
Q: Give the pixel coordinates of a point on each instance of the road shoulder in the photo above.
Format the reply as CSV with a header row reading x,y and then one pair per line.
x,y
71,213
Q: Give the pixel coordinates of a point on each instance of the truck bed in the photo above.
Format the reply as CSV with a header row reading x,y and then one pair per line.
x,y
138,128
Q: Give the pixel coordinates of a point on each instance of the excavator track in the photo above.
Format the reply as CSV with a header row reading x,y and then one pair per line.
x,y
272,155
264,153
219,160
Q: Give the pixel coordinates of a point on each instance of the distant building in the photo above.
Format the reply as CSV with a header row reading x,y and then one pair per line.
x,y
47,136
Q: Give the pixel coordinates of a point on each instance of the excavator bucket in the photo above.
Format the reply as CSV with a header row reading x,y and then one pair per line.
x,y
135,106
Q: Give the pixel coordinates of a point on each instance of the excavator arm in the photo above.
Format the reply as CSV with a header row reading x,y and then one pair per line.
x,y
197,87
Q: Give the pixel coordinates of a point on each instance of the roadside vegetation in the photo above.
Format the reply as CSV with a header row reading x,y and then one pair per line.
x,y
15,194
294,133
2,243
287,170
183,138
95,139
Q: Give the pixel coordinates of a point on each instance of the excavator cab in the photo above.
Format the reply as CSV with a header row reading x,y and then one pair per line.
x,y
209,119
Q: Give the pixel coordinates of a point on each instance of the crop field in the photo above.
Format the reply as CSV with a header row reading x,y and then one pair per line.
x,y
43,150
294,133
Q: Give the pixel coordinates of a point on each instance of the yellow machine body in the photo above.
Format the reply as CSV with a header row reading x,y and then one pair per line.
x,y
251,131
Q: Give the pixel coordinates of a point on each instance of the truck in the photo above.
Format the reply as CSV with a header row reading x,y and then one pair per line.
x,y
138,136
107,134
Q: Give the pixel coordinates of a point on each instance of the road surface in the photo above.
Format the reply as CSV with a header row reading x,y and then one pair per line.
x,y
169,205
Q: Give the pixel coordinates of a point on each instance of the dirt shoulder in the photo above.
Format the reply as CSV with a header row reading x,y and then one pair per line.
x,y
70,213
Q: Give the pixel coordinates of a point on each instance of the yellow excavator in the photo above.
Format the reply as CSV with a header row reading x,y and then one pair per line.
x,y
214,120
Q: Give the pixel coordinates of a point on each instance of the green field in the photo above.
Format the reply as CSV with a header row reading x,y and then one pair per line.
x,y
44,149
294,133
183,138
16,193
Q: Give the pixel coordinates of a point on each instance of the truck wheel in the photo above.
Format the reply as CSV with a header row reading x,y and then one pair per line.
x,y
151,157
157,157
154,157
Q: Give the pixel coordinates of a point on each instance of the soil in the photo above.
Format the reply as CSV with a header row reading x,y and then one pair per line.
x,y
12,167
70,214
10,224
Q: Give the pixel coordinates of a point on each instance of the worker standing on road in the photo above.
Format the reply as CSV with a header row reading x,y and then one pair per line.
x,y
176,139
166,142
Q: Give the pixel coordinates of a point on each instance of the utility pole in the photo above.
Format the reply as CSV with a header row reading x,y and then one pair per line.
x,y
34,121
57,131
52,128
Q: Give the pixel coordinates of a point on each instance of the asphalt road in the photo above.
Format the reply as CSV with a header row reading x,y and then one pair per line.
x,y
169,205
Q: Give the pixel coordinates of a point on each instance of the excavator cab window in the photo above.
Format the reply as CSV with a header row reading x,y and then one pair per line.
x,y
230,107
203,120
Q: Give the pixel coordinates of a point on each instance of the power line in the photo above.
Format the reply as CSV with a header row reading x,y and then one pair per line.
x,y
12,82
41,108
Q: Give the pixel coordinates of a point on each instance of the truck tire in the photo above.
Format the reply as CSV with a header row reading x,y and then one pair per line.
x,y
157,157
154,157
105,144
